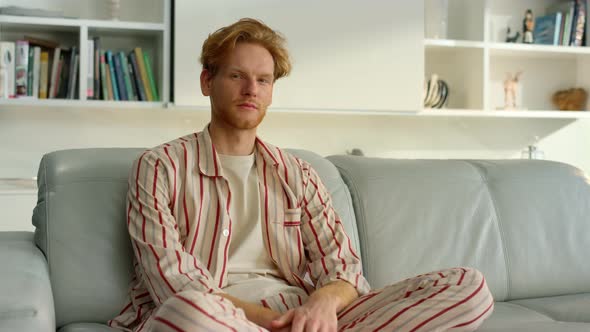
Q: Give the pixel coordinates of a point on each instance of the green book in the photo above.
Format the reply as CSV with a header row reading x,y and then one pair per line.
x,y
103,76
30,71
148,67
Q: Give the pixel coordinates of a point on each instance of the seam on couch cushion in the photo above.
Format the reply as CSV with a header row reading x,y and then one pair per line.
x,y
362,231
484,180
529,309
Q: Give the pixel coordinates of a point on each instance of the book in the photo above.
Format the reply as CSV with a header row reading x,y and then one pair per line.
x,y
64,77
567,11
72,84
138,81
143,73
44,75
41,42
98,77
22,67
36,71
54,77
90,71
133,80
111,75
119,77
579,23
30,71
547,29
108,81
126,77
148,67
71,74
7,70
103,77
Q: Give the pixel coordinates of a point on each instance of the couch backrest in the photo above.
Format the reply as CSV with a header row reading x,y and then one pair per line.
x,y
524,224
80,226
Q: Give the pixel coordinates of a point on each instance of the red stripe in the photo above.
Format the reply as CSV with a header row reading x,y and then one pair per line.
x,y
129,215
228,237
173,203
204,312
137,197
126,307
185,210
169,324
299,249
160,269
359,302
141,295
461,279
291,223
265,304
335,240
214,236
317,188
156,203
214,159
453,306
267,150
148,277
179,265
266,208
285,166
299,299
200,213
409,307
476,318
283,300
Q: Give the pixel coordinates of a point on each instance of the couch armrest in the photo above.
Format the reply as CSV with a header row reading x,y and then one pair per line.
x,y
26,301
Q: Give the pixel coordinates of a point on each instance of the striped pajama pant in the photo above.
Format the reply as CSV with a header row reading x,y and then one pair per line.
x,y
455,299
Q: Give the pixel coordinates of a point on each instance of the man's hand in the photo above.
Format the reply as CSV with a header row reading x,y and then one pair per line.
x,y
319,313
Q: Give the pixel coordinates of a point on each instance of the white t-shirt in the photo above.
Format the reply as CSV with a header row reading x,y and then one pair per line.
x,y
249,265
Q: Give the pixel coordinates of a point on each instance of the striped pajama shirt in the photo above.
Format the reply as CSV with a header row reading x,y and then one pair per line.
x,y
178,220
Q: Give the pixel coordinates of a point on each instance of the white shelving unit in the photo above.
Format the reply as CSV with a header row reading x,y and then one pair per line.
x,y
468,51
152,35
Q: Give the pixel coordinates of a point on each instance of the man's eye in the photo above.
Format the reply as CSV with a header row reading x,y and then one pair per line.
x,y
235,76
264,81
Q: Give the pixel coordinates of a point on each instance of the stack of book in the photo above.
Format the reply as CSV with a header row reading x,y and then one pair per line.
x,y
36,68
120,75
564,24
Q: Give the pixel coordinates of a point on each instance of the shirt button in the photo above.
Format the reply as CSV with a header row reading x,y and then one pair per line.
x,y
226,232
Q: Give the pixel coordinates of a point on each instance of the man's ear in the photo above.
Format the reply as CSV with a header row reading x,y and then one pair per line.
x,y
206,82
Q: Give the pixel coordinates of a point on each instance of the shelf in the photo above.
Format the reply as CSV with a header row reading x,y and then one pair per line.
x,y
72,23
532,50
538,114
449,43
80,103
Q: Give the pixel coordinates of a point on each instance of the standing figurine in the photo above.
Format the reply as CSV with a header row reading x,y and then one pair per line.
x,y
528,25
512,39
510,87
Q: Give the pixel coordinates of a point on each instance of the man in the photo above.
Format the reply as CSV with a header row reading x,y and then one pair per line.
x,y
233,234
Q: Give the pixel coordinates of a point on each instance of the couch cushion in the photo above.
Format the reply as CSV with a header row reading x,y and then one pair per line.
x,y
80,220
416,216
523,223
569,308
86,327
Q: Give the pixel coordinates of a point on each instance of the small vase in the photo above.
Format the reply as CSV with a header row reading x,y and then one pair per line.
x,y
115,6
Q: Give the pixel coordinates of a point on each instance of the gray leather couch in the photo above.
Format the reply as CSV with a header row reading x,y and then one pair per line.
x,y
524,224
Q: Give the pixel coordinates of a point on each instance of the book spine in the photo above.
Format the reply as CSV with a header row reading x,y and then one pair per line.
x,y
54,76
112,77
148,67
30,70
73,77
144,79
7,66
22,66
103,77
97,70
109,82
133,80
90,70
120,80
58,73
138,81
126,77
36,71
43,80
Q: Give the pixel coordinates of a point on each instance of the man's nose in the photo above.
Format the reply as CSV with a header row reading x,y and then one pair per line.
x,y
250,87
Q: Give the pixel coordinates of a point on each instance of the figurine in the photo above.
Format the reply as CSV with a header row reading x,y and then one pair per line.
x,y
512,39
528,25
510,87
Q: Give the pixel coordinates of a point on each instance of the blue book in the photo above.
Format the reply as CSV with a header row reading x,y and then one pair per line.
x,y
109,56
547,29
120,80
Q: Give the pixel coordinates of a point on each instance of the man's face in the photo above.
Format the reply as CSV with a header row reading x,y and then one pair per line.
x,y
241,91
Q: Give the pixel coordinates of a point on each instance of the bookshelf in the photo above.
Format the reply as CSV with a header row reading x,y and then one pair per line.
x,y
84,22
464,45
